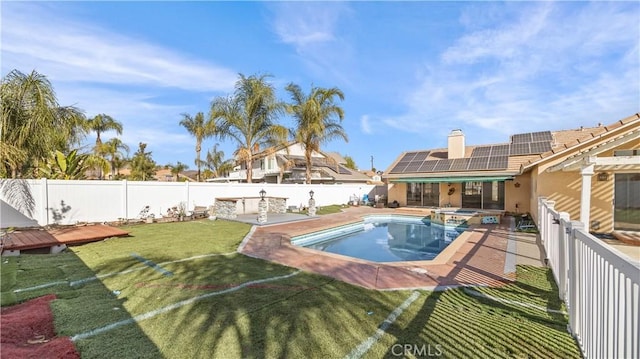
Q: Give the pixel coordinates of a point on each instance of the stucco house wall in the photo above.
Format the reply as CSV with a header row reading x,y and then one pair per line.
x,y
398,192
517,194
564,187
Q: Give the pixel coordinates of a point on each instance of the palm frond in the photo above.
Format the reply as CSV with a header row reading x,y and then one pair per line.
x,y
18,194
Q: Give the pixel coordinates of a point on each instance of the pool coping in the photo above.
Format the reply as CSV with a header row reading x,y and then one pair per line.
x,y
475,258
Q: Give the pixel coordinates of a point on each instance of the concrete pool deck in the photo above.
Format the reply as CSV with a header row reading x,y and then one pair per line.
x,y
482,255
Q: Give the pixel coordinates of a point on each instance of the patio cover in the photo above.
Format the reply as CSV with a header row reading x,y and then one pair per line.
x,y
452,179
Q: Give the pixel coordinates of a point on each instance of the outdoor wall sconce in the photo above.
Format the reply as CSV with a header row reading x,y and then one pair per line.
x,y
517,184
603,176
311,194
262,193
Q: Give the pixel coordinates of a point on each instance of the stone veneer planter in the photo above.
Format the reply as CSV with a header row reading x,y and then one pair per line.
x,y
231,207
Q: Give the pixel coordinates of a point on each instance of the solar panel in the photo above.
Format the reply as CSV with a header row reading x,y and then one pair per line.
x,y
519,149
498,163
342,170
413,166
500,150
460,164
421,156
540,147
541,136
428,166
478,163
521,138
409,156
481,151
399,167
442,165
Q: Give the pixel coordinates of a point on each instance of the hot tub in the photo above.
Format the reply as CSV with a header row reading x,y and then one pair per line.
x,y
461,217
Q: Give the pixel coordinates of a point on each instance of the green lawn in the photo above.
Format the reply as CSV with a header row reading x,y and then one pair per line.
x,y
303,315
330,209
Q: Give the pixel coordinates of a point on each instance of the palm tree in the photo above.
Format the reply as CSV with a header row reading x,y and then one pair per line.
x,y
113,149
177,168
103,123
315,116
200,129
32,124
285,165
142,165
249,117
215,161
99,124
117,164
224,168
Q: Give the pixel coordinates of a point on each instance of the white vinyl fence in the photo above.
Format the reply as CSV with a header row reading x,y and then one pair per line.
x,y
70,202
599,285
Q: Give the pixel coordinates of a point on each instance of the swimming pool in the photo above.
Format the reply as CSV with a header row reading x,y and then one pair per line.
x,y
384,239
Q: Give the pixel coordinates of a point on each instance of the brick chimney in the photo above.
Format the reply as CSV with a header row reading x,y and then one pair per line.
x,y
456,146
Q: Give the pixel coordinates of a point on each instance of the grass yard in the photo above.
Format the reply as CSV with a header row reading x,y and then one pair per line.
x,y
186,303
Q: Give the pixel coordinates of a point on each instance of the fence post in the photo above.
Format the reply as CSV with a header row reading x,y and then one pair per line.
x,y
44,206
541,211
186,184
562,220
125,199
549,219
575,280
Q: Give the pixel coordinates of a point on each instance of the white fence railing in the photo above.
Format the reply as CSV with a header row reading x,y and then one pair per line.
x,y
599,285
70,202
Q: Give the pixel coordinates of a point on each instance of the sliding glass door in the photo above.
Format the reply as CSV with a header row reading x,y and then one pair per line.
x,y
423,194
483,195
627,202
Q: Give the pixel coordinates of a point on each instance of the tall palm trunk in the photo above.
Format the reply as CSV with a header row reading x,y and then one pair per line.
x,y
249,170
198,162
307,158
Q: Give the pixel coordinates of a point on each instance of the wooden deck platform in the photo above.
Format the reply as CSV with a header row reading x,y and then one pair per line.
x,y
628,237
57,238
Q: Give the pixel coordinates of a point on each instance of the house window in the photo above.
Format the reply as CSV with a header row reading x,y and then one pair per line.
x,y
472,188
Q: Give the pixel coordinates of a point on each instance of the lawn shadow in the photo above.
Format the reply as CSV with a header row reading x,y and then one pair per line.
x,y
286,317
78,308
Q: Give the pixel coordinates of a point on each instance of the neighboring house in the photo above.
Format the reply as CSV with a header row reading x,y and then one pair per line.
x,y
591,173
287,164
160,175
165,175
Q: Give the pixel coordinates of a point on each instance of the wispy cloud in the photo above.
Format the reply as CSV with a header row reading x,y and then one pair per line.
x,y
69,50
306,25
101,71
554,65
313,29
365,126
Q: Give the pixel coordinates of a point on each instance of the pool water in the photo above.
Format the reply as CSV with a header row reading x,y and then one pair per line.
x,y
384,240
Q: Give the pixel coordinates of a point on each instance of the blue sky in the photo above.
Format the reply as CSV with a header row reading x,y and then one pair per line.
x,y
411,71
